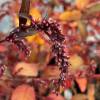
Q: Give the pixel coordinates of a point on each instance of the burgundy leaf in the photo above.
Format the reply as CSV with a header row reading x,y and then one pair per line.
x,y
24,12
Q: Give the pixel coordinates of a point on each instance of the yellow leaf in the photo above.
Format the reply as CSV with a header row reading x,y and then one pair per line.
x,y
30,38
76,14
35,13
16,20
76,62
70,15
65,16
36,38
81,4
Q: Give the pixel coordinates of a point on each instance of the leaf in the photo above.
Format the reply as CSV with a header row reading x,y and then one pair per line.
x,y
70,15
82,83
51,72
24,11
82,28
23,92
91,9
36,38
35,13
25,69
25,6
81,4
27,32
76,62
24,33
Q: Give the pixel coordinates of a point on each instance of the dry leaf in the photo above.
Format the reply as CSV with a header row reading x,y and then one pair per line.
x,y
25,69
23,92
82,83
76,62
51,72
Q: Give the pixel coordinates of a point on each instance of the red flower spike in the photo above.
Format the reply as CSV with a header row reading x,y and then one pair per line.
x,y
51,29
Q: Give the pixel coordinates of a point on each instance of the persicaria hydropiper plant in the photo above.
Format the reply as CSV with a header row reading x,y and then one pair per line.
x,y
52,30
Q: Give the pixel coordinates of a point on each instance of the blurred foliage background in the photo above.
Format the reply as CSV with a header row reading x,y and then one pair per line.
x,y
80,23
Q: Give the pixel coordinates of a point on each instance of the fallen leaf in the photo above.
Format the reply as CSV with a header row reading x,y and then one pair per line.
x,y
23,92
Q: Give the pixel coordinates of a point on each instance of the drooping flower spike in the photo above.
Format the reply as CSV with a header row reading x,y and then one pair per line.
x,y
50,28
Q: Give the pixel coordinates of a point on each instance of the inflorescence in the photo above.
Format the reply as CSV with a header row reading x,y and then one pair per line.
x,y
52,30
